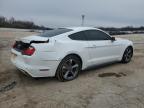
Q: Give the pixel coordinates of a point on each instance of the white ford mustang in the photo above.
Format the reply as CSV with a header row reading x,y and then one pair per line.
x,y
65,52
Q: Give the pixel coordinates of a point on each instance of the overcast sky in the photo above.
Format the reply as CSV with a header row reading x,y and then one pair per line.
x,y
60,13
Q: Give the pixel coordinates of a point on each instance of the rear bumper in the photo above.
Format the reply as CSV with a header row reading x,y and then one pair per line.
x,y
39,69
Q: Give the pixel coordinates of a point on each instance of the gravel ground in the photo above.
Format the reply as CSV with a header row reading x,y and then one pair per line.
x,y
110,86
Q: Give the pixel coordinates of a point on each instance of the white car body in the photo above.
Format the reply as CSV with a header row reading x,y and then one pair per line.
x,y
47,56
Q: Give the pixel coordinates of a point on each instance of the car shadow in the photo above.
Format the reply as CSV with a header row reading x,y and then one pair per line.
x,y
98,67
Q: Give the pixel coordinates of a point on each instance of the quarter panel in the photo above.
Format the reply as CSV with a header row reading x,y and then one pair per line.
x,y
65,48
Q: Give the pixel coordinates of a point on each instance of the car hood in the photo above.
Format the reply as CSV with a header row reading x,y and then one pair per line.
x,y
124,41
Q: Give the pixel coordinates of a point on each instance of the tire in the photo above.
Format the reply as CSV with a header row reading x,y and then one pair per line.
x,y
128,53
68,68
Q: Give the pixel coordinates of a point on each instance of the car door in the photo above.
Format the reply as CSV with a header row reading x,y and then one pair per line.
x,y
101,48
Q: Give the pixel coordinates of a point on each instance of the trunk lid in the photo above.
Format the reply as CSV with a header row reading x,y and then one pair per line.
x,y
24,43
33,38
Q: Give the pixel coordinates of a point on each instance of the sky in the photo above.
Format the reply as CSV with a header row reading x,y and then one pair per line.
x,y
63,13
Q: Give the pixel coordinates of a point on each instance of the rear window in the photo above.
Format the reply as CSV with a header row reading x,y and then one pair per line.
x,y
51,33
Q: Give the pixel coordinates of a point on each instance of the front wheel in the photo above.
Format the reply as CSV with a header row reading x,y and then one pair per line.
x,y
69,68
127,55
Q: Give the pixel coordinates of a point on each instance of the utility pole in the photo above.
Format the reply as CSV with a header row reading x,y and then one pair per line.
x,y
83,18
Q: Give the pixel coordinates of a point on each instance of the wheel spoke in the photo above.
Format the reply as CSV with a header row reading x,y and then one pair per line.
x,y
66,74
70,62
129,52
127,58
75,66
65,67
73,73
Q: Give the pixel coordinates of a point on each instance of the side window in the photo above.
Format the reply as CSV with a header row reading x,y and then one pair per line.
x,y
78,36
96,35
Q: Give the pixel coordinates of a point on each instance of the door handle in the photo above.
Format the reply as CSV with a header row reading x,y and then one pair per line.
x,y
92,46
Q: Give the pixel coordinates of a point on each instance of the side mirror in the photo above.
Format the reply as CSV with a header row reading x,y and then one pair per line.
x,y
113,38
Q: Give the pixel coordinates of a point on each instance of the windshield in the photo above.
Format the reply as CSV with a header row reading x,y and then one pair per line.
x,y
51,33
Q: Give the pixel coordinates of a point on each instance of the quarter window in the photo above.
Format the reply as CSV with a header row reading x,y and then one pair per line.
x,y
78,36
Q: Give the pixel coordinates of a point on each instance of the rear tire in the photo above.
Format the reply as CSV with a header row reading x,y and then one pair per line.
x,y
68,68
127,55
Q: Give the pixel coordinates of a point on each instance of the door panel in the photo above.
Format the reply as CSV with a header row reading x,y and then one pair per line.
x,y
101,47
103,51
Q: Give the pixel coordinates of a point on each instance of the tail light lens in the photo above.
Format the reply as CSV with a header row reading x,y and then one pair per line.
x,y
29,51
14,45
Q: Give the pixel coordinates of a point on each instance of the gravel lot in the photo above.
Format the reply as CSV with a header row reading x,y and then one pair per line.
x,y
111,86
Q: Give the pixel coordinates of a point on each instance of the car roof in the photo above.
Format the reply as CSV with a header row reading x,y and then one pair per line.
x,y
81,28
77,29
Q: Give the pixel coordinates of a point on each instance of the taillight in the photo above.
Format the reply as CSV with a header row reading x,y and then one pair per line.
x,y
29,51
14,45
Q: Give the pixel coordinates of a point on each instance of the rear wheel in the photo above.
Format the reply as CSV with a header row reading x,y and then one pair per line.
x,y
127,55
69,68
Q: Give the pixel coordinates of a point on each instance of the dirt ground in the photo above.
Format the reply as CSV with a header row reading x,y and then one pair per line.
x,y
111,86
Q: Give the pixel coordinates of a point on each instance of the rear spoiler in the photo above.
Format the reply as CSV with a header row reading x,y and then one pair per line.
x,y
33,41
19,45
